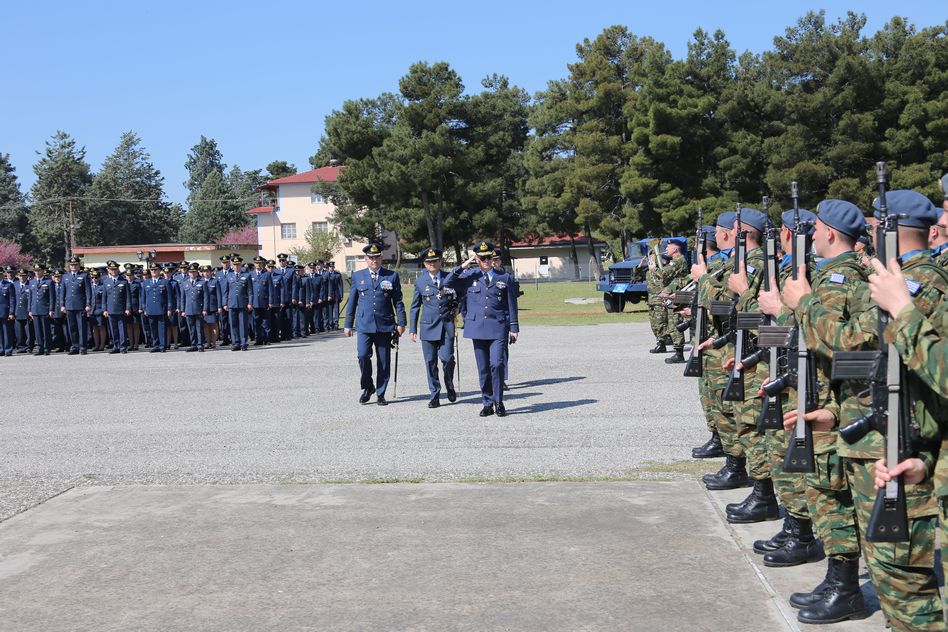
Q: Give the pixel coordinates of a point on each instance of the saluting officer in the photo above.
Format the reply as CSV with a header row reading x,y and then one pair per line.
x,y
194,300
497,263
436,306
156,305
7,312
262,299
237,303
42,303
117,301
491,314
375,309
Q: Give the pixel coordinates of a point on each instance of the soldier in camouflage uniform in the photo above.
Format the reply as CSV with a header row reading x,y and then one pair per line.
x,y
712,288
902,575
674,276
938,234
794,544
657,314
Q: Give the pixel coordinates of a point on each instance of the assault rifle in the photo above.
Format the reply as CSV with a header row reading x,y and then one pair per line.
x,y
890,414
734,391
693,367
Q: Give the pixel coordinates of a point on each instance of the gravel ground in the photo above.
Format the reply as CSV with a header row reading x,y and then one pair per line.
x,y
586,402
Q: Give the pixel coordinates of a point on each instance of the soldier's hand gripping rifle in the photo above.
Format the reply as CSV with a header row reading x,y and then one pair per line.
x,y
698,319
890,414
734,391
801,372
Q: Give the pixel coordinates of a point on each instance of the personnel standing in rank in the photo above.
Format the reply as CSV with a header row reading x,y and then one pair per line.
x,y
117,305
435,306
237,303
156,307
7,312
42,303
490,319
194,302
375,309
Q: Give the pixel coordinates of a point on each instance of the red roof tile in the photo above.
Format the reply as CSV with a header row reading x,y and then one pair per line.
x,y
553,241
323,174
259,210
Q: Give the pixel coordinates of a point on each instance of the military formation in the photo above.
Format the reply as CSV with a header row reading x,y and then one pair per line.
x,y
172,305
819,344
479,290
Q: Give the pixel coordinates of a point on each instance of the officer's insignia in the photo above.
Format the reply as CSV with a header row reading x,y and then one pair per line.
x,y
914,287
386,285
431,253
362,282
475,283
836,277
501,285
427,298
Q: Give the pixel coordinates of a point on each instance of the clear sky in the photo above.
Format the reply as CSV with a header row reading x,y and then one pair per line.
x,y
260,77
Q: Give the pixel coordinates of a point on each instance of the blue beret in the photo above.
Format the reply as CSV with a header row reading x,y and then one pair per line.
x,y
943,185
843,216
726,219
681,243
918,210
754,218
788,218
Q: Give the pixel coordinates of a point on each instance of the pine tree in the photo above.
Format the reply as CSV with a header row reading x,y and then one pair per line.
x,y
213,212
205,158
14,224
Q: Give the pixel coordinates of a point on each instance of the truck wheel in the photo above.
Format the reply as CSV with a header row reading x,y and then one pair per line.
x,y
621,305
611,303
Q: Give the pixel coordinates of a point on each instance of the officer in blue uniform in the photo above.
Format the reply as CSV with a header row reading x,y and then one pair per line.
x,y
498,266
335,282
286,286
24,331
7,312
42,304
117,300
326,312
490,320
262,299
375,310
436,307
76,299
60,335
97,321
194,301
133,320
301,296
319,306
237,287
214,309
220,275
156,305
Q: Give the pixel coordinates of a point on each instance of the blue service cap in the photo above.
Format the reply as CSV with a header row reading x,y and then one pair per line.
x,y
726,219
788,218
843,216
918,210
754,218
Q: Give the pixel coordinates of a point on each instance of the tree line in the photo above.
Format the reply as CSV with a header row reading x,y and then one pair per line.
x,y
629,143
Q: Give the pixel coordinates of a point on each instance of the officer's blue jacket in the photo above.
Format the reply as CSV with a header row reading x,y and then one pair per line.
x,y
135,292
194,297
76,291
117,295
301,289
7,299
214,296
174,293
317,288
42,296
22,310
435,305
491,305
284,281
375,307
335,279
262,295
156,300
97,299
237,290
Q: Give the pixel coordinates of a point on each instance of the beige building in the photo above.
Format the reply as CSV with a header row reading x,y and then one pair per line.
x,y
97,256
292,207
550,258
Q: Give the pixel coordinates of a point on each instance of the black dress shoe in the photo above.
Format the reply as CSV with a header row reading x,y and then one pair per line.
x,y
452,395
486,411
235,348
504,386
366,394
501,411
83,352
73,352
191,349
113,351
381,401
124,351
434,403
155,350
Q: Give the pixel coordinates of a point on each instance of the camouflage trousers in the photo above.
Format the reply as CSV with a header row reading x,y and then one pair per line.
x,y
716,409
943,506
753,442
791,487
678,337
902,573
830,500
658,319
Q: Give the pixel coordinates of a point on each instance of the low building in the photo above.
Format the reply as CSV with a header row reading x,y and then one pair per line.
x,y
292,207
96,256
551,258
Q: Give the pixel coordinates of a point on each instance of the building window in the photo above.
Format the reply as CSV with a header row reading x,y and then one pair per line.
x,y
316,198
322,227
352,262
288,231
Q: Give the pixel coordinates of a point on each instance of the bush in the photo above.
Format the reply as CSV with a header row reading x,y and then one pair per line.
x,y
10,255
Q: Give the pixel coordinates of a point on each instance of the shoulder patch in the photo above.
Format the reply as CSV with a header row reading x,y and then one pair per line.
x,y
836,277
751,269
914,287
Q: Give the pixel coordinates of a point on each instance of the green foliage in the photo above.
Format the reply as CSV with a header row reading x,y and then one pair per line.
x,y
203,159
213,212
320,244
280,169
14,223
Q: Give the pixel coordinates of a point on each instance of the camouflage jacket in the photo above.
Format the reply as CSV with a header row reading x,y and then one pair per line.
x,y
674,276
941,256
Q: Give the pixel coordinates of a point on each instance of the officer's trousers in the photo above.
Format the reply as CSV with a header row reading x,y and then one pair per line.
x,y
318,323
24,334
261,325
299,321
277,315
156,325
238,327
76,323
489,355
383,354
334,314
60,339
43,333
117,331
286,322
196,331
434,350
328,323
7,335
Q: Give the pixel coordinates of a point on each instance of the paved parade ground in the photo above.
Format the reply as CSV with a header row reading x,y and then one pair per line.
x,y
209,492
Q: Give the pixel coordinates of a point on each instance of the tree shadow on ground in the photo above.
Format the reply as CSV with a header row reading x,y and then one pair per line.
x,y
547,381
545,406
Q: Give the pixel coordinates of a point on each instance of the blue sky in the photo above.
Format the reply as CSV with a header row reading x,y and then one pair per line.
x,y
261,77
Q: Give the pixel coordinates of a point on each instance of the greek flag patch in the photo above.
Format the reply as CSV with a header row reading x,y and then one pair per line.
x,y
914,287
751,269
836,277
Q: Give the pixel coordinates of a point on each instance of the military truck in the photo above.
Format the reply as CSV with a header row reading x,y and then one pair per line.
x,y
624,282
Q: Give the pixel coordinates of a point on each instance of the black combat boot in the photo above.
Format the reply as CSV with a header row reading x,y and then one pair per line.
x,y
710,477
710,450
732,476
801,548
807,599
659,347
678,358
780,538
732,507
763,505
842,599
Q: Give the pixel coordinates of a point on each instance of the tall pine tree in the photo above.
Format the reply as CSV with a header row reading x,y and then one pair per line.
x,y
14,224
